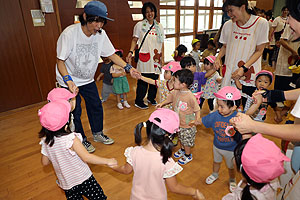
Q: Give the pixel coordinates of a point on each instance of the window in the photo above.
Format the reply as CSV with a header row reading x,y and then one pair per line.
x,y
169,48
186,21
167,19
217,19
204,3
168,2
203,20
187,2
218,3
187,41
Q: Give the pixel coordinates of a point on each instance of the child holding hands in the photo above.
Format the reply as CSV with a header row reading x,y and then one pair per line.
x,y
185,104
152,163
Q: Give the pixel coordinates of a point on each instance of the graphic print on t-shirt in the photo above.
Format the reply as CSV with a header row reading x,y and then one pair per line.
x,y
86,56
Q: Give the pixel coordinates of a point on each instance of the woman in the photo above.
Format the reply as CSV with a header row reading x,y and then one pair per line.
x,y
278,24
150,54
244,38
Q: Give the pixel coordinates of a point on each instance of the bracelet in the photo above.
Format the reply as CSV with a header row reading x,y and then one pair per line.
x,y
245,68
131,52
67,78
127,67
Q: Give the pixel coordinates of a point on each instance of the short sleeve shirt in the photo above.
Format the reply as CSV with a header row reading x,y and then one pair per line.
x,y
164,89
296,109
199,79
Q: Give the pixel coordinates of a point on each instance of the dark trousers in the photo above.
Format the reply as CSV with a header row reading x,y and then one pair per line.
x,y
209,101
90,188
266,52
142,88
283,83
94,109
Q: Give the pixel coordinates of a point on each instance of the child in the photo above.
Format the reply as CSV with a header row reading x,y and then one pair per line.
x,y
64,150
210,51
120,83
196,53
199,77
228,99
167,85
179,53
258,110
152,164
185,104
260,162
212,83
107,87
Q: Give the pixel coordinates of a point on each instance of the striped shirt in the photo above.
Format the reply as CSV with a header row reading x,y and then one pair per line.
x,y
69,168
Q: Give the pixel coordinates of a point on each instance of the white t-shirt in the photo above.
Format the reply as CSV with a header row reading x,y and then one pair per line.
x,y
296,110
282,65
279,23
149,61
241,43
81,53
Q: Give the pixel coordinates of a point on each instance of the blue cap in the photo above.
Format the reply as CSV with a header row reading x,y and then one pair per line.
x,y
96,8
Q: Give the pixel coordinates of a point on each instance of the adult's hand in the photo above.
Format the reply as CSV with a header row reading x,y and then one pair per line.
x,y
238,73
72,87
243,123
129,57
217,63
135,73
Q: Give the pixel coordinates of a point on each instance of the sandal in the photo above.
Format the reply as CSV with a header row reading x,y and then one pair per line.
x,y
209,180
232,186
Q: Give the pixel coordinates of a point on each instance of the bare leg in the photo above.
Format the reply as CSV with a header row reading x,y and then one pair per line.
x,y
118,98
231,173
216,167
187,150
124,96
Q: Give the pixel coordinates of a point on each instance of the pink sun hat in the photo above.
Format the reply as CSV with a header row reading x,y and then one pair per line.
x,y
228,93
55,114
265,72
262,160
172,66
169,120
211,59
60,94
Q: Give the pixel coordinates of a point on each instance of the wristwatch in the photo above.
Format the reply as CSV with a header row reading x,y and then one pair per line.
x,y
245,68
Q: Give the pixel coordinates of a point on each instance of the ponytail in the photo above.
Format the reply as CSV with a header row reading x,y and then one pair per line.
x,y
246,195
137,133
166,149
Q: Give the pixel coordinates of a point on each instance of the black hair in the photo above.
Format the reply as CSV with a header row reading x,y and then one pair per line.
x,y
181,49
283,8
231,103
90,19
51,134
246,195
239,3
268,75
152,8
269,14
185,76
158,136
187,61
119,53
298,83
206,62
294,8
211,42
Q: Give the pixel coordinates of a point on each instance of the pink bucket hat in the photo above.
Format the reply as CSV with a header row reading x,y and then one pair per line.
x,y
169,120
211,59
262,160
265,72
55,114
228,93
172,66
60,94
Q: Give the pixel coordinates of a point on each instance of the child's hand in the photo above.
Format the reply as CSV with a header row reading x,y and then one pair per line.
x,y
112,162
258,99
158,105
198,195
258,93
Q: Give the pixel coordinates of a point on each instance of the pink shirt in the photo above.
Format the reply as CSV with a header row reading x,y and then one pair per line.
x,y
69,168
149,173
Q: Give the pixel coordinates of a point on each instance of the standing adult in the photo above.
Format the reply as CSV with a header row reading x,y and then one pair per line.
x,y
244,38
150,54
79,48
278,24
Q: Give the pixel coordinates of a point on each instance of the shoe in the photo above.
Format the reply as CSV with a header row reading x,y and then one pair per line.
x,y
153,102
232,186
119,105
184,160
209,180
88,146
100,137
141,105
179,153
175,140
126,104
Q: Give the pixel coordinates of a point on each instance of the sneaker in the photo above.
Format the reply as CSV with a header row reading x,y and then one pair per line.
x,y
141,105
153,102
88,146
119,105
184,160
126,104
179,153
232,186
100,137
209,180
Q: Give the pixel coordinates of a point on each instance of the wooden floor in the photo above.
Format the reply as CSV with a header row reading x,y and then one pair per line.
x,y
23,176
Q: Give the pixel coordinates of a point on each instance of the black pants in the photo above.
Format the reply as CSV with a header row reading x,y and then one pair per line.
x,y
283,83
209,101
142,88
90,188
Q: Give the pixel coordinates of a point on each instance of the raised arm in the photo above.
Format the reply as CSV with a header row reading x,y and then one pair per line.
x,y
255,106
148,80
